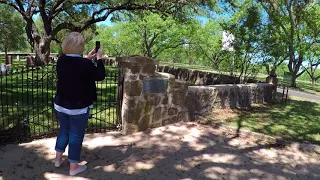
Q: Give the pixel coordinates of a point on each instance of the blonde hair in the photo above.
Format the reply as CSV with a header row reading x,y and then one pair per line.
x,y
73,44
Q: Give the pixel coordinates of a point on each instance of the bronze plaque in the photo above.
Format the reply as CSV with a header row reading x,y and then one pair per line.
x,y
155,85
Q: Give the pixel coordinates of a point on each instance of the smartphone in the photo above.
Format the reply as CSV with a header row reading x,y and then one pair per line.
x,y
97,46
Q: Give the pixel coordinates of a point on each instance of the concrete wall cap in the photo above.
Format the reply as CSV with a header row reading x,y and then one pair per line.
x,y
230,85
165,75
137,59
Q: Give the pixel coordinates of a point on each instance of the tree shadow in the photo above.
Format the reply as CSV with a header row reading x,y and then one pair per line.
x,y
178,151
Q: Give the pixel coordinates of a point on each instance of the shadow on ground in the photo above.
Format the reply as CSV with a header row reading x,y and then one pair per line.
x,y
178,151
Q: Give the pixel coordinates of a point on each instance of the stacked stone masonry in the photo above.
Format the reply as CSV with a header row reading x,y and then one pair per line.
x,y
140,110
179,102
202,100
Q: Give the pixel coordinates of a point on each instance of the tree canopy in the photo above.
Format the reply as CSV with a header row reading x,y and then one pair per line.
x,y
12,36
269,34
79,15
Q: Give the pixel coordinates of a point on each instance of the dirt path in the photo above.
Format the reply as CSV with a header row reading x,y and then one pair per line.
x,y
185,151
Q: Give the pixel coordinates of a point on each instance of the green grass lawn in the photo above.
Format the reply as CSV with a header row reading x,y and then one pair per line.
x,y
15,63
297,120
308,87
27,95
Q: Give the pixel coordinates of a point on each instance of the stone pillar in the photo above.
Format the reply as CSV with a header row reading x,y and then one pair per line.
x,y
9,60
142,110
272,79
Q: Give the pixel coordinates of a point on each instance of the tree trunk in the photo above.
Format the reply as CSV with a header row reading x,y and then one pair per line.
x,y
148,51
293,80
267,69
314,81
6,54
42,51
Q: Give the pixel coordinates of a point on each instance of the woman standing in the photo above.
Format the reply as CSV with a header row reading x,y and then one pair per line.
x,y
76,91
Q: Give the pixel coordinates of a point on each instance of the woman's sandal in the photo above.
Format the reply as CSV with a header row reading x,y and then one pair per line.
x,y
58,163
80,169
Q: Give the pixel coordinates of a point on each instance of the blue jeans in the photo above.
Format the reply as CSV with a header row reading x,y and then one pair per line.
x,y
72,130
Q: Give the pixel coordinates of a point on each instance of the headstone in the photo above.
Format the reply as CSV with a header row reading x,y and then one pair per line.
x,y
29,60
154,85
3,68
49,59
9,60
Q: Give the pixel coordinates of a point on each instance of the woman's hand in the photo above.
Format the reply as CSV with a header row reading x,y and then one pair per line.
x,y
92,54
99,54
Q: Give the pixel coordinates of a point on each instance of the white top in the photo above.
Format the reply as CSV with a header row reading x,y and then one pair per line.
x,y
72,111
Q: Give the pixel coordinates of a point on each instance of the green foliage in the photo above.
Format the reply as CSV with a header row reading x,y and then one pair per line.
x,y
145,34
12,36
115,40
294,27
58,16
246,26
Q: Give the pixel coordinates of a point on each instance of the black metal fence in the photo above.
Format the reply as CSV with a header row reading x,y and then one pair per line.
x,y
26,109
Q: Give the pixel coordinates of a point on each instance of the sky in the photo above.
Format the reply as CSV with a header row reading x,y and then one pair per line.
x,y
107,22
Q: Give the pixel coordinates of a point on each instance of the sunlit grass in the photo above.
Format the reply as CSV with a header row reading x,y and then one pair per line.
x,y
297,120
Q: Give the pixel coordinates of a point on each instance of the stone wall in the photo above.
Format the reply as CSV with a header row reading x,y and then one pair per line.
x,y
198,77
141,110
203,99
178,101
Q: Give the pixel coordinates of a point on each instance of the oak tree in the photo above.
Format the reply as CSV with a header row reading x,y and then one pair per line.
x,y
78,15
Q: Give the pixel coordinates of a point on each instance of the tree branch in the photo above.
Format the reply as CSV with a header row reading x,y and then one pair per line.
x,y
57,8
44,16
269,12
21,11
306,69
29,8
127,6
278,64
64,26
168,47
155,35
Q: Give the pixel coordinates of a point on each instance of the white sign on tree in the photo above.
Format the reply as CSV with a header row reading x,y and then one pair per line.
x,y
227,41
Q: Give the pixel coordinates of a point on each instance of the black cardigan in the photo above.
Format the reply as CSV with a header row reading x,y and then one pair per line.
x,y
76,86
